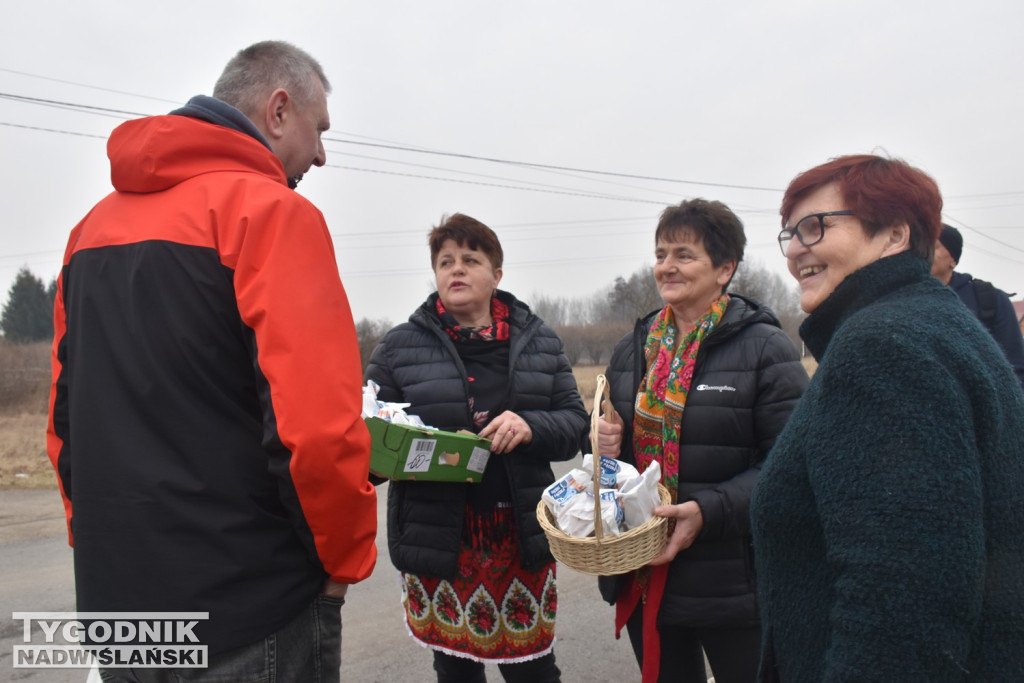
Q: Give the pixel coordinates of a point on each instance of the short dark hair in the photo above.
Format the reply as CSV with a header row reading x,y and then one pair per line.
x,y
881,192
466,232
260,69
711,222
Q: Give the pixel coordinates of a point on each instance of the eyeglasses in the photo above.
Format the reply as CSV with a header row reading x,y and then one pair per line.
x,y
809,229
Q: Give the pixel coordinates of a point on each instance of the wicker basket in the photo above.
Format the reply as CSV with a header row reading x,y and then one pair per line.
x,y
600,554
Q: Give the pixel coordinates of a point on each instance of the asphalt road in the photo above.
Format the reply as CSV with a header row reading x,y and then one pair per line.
x,y
36,576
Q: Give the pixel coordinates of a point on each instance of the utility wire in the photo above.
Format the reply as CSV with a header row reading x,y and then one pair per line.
x,y
979,232
528,164
540,187
478,175
68,105
501,186
84,85
416,150
454,155
52,130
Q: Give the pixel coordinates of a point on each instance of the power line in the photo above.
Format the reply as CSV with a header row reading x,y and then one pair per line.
x,y
539,187
469,173
501,186
483,175
519,228
412,149
979,232
590,195
455,155
84,85
68,105
52,130
528,164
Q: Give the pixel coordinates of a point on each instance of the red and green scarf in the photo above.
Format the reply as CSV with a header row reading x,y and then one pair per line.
x,y
662,394
657,419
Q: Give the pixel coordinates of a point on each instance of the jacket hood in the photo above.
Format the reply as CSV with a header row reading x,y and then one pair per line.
x,y
158,152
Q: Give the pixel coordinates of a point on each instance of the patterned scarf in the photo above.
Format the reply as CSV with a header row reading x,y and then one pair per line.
x,y
657,419
662,394
498,329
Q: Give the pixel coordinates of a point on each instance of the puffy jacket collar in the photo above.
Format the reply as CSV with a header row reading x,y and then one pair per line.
x,y
519,313
743,311
158,152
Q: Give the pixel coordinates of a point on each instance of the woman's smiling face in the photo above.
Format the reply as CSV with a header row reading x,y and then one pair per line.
x,y
687,279
845,247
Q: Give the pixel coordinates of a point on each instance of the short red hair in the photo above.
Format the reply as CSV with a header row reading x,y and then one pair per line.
x,y
881,192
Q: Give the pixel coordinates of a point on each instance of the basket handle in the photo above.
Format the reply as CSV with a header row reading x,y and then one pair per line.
x,y
601,392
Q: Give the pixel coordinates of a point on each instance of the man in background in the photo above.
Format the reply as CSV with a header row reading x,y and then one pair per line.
x,y
205,406
990,305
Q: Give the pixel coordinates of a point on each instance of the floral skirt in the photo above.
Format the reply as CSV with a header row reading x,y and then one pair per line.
x,y
493,610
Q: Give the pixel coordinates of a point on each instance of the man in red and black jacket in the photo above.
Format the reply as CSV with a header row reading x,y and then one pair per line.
x,y
205,406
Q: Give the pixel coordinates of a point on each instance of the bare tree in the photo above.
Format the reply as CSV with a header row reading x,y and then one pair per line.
x,y
633,298
600,340
552,310
572,342
756,281
370,332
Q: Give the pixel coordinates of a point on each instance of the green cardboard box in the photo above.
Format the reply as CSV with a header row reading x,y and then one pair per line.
x,y
406,452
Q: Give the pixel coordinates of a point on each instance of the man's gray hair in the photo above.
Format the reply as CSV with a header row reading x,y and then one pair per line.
x,y
259,69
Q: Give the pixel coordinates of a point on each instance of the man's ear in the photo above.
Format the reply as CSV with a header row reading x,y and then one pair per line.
x,y
276,113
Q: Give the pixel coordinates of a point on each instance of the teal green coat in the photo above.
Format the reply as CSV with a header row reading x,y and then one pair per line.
x,y
888,521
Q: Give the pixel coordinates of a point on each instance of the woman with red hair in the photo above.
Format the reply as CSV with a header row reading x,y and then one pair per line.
x,y
887,519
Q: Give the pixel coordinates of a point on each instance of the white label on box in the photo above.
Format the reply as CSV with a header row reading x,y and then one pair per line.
x,y
421,452
478,460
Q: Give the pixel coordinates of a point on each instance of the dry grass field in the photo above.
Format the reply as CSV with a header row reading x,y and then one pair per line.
x,y
25,376
23,460
24,385
586,380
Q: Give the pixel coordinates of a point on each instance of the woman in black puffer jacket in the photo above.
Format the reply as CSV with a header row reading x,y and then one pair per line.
x,y
478,578
703,387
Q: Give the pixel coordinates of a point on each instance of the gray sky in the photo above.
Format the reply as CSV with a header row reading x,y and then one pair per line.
x,y
727,96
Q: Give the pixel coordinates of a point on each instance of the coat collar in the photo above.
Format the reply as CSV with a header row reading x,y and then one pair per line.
x,y
860,289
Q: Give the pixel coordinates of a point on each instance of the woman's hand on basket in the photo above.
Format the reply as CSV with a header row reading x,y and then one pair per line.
x,y
609,432
688,522
507,431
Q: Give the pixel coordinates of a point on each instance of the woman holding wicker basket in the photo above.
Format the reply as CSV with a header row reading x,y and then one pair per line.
x,y
478,579
702,386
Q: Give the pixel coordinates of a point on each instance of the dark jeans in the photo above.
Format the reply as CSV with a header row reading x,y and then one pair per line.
x,y
452,669
305,650
733,653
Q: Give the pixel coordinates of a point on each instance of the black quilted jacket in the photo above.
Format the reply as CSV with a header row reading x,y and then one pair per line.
x,y
747,380
417,363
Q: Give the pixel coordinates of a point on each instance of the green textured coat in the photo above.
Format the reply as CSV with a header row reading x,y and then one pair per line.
x,y
888,521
